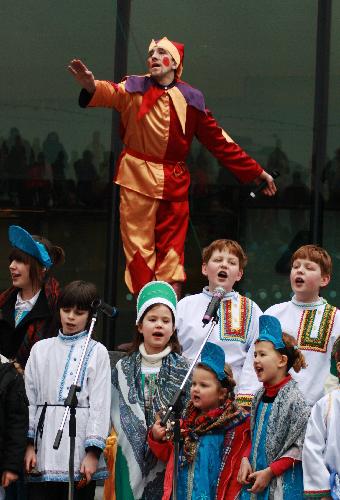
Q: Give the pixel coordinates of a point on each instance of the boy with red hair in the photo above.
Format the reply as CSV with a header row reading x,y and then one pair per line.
x,y
313,322
223,263
160,115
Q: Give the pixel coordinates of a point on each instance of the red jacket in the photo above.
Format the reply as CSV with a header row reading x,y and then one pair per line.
x,y
158,126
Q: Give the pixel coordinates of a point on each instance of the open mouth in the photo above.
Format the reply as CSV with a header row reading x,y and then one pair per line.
x,y
223,275
299,280
155,65
196,399
259,371
158,335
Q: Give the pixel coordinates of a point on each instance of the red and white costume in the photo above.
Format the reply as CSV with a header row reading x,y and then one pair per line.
x,y
158,124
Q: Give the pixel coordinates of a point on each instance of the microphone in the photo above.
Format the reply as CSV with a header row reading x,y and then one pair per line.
x,y
108,310
213,305
263,184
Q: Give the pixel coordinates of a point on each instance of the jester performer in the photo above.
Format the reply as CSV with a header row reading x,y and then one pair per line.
x,y
160,115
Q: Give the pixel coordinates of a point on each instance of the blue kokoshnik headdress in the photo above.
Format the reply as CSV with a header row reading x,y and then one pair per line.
x,y
213,357
21,239
271,331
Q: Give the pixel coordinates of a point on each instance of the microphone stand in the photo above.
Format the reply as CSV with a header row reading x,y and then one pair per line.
x,y
175,407
70,404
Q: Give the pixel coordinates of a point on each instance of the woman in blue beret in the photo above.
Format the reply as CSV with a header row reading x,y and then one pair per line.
x,y
27,307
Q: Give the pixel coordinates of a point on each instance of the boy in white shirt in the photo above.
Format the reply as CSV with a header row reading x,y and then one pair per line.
x,y
321,450
223,265
313,322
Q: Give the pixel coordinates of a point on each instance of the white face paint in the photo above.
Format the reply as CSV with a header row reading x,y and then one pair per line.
x,y
161,65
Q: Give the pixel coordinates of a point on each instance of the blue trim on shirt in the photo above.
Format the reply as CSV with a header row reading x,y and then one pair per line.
x,y
62,383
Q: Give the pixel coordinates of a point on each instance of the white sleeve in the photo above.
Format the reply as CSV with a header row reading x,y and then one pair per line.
x,y
315,472
183,339
31,391
248,382
331,383
99,386
271,310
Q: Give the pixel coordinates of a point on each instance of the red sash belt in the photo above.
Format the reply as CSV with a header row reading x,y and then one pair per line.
x,y
153,159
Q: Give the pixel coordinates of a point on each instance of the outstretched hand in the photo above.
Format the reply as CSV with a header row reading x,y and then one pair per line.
x,y
82,74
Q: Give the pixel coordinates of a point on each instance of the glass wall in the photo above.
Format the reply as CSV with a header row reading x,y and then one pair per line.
x,y
331,177
254,62
53,154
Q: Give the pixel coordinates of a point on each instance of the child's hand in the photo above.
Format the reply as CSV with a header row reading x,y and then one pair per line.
x,y
89,465
158,431
8,477
262,478
244,471
30,459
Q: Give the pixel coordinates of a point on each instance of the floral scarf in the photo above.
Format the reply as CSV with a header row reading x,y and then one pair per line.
x,y
197,424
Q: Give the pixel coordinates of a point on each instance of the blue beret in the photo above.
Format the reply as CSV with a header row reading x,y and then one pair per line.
x,y
21,239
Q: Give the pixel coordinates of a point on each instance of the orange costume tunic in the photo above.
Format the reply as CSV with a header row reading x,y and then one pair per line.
x,y
158,124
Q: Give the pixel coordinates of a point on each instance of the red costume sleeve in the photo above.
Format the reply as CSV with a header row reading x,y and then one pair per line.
x,y
281,465
162,450
228,153
247,451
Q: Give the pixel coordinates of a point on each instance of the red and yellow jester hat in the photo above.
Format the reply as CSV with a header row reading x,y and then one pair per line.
x,y
175,49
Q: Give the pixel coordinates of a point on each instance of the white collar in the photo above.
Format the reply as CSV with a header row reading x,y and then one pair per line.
x,y
228,295
153,359
26,304
71,339
309,305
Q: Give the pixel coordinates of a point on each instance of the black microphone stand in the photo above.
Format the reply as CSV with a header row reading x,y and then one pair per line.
x,y
71,403
175,407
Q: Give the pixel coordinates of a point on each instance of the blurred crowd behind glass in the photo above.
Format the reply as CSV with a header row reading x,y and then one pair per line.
x,y
255,64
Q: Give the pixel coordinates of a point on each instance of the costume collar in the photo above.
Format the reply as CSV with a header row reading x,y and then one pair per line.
x,y
151,92
164,87
71,339
26,305
309,305
232,295
272,390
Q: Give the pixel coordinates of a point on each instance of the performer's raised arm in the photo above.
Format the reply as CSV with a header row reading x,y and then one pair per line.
x,y
83,75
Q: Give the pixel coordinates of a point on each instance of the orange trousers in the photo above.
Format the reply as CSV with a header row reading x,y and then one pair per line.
x,y
153,234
